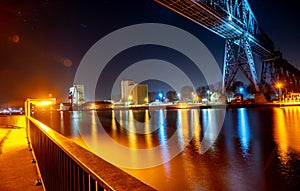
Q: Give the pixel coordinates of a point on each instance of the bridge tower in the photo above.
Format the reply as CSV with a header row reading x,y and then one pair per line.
x,y
235,22
238,53
238,57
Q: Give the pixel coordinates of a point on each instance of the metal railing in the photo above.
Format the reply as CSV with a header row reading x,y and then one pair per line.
x,y
64,165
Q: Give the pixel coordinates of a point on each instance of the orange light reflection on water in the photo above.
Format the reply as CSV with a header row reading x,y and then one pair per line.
x,y
287,131
148,135
197,128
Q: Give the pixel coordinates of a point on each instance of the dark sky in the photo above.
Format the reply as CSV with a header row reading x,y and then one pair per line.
x,y
43,42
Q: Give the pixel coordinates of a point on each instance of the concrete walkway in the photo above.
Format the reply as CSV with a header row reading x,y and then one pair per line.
x,y
17,172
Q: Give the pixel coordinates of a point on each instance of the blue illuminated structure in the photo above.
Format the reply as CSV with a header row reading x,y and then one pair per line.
x,y
160,95
241,89
235,21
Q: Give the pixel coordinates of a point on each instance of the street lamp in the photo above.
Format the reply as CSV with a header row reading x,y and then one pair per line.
x,y
193,96
279,85
241,89
129,99
208,93
160,95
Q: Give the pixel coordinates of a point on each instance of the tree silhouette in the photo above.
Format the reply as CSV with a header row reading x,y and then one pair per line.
x,y
172,96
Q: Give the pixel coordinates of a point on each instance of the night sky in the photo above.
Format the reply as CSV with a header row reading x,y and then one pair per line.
x,y
43,42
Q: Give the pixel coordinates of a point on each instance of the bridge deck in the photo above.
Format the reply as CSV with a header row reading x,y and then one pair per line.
x,y
216,21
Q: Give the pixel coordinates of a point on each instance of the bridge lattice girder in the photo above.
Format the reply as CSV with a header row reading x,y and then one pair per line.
x,y
235,21
227,18
238,58
276,69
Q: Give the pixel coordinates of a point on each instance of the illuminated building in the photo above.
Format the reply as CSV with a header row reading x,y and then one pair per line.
x,y
134,93
77,94
126,87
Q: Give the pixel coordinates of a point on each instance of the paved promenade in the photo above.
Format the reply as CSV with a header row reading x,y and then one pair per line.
x,y
17,172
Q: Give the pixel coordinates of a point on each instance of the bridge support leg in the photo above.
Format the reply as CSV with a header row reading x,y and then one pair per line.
x,y
238,56
268,74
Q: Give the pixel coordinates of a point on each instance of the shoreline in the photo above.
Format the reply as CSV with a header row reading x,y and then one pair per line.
x,y
205,106
192,106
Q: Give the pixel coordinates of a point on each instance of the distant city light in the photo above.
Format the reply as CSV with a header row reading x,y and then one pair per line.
x,y
14,38
10,111
44,103
278,85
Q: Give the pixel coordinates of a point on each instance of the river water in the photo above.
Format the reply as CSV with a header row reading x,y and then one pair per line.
x,y
254,149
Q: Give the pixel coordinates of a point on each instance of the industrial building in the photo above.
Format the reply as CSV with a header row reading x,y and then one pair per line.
x,y
133,93
76,94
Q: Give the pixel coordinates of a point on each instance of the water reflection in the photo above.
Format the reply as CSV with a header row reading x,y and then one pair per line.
x,y
281,135
195,122
162,134
180,121
287,132
240,156
212,121
243,130
94,128
165,154
148,136
62,122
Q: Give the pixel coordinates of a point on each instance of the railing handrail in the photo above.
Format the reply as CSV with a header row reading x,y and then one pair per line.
x,y
107,175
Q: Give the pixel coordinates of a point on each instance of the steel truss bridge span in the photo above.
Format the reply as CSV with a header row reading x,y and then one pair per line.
x,y
234,21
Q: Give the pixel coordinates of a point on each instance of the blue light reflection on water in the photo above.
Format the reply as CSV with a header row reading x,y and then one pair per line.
x,y
161,127
243,130
162,139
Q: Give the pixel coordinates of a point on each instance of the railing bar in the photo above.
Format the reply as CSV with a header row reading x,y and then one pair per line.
x,y
86,181
73,176
89,183
70,173
65,171
78,177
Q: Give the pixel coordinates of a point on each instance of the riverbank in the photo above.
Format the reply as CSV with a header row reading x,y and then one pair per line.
x,y
206,106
